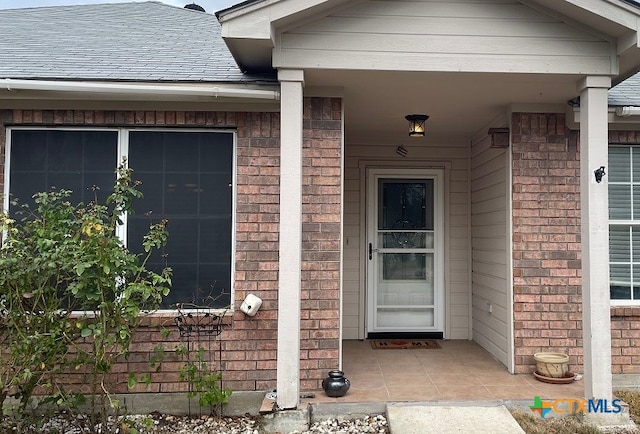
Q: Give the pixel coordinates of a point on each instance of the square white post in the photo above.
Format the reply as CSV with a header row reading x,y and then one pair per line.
x,y
594,200
290,245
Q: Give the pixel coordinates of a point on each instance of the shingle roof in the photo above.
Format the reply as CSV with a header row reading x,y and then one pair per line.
x,y
146,41
626,93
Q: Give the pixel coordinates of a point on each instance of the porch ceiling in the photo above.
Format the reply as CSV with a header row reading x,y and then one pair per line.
x,y
459,105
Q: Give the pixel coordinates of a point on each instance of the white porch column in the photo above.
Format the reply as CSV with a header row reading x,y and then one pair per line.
x,y
594,200
288,364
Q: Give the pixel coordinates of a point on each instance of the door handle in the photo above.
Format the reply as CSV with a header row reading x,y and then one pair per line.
x,y
370,251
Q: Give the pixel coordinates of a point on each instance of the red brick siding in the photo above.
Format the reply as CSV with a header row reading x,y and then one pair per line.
x,y
546,250
546,239
625,340
321,223
249,344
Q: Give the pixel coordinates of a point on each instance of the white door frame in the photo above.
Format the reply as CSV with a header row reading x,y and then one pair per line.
x,y
437,175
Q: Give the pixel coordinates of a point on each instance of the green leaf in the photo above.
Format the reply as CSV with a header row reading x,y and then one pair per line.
x,y
86,332
132,381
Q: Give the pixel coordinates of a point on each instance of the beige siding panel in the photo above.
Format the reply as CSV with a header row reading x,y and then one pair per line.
x,y
512,63
504,10
471,36
456,26
445,45
483,243
490,302
457,258
351,254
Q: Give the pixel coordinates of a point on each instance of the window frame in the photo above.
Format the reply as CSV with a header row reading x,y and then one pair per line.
x,y
122,151
627,223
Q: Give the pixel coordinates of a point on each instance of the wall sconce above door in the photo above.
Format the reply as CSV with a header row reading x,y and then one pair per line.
x,y
416,124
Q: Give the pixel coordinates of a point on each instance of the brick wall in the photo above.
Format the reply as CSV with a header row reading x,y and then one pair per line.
x,y
625,340
546,239
321,223
248,345
546,254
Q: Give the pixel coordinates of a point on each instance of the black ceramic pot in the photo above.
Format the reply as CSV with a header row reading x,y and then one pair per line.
x,y
336,385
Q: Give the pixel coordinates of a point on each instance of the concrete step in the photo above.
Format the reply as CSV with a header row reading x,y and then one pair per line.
x,y
449,418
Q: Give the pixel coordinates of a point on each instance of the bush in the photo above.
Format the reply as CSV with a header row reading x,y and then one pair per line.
x,y
71,294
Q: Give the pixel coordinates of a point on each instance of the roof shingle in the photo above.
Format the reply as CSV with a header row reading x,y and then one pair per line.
x,y
146,41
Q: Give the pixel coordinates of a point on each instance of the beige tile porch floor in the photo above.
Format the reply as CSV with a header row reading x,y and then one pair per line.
x,y
459,370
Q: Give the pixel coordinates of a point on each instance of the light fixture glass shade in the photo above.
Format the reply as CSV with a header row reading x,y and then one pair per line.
x,y
416,124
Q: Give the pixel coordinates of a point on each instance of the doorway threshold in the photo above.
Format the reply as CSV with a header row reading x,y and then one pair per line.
x,y
405,335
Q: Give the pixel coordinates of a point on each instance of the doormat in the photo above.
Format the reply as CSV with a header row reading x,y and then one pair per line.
x,y
391,344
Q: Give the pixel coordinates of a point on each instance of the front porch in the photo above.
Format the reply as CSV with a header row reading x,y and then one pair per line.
x,y
459,371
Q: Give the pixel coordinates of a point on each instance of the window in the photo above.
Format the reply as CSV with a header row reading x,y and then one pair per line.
x,y
187,178
624,223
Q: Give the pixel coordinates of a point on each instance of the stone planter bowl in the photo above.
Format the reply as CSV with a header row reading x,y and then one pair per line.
x,y
553,365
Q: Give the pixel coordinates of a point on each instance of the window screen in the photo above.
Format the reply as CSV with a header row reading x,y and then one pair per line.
x,y
81,161
187,178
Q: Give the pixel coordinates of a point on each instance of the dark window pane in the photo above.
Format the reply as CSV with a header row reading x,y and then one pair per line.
x,y
216,191
215,245
99,151
72,160
219,158
146,149
406,204
67,181
182,248
182,152
182,192
218,278
187,179
97,186
619,292
152,197
64,152
24,185
28,151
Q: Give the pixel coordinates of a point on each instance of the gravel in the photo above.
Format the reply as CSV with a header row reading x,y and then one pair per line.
x,y
166,424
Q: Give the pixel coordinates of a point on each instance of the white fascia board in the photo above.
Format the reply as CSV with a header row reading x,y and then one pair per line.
x,y
257,21
613,10
622,118
8,85
253,26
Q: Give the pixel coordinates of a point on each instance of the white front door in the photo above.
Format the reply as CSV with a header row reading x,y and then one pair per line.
x,y
405,279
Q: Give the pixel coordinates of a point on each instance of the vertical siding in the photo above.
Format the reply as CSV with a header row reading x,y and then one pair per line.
x,y
490,287
455,159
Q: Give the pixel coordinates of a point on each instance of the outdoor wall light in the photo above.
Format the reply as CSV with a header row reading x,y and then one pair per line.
x,y
599,173
416,125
